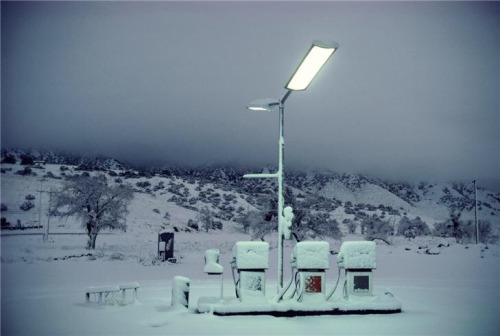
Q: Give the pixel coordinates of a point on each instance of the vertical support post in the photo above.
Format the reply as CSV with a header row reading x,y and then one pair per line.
x,y
280,176
40,209
280,196
222,286
47,227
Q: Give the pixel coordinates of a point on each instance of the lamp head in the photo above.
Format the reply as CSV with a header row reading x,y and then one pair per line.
x,y
313,61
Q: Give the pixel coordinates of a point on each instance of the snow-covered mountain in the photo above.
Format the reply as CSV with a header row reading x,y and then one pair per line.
x,y
171,196
84,162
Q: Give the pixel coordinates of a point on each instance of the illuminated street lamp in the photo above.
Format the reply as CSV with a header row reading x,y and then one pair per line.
x,y
315,58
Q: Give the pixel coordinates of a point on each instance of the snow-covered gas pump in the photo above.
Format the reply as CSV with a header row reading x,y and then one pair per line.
x,y
310,259
250,259
358,258
212,267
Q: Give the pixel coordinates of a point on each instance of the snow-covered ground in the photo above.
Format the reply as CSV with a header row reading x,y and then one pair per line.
x,y
454,292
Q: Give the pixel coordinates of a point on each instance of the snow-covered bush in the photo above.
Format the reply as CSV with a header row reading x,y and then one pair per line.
x,y
193,225
413,228
9,158
51,175
217,225
465,231
27,205
117,256
376,228
160,185
26,171
150,259
351,225
486,233
143,184
316,224
249,220
26,159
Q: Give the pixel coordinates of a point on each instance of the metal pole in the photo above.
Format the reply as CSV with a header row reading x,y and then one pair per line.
x,y
48,216
278,175
280,197
222,286
280,187
40,209
475,212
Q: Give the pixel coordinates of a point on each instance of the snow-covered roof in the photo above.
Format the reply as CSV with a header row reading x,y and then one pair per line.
x,y
357,254
251,255
212,265
311,255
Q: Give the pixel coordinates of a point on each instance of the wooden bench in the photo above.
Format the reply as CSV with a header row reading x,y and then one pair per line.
x,y
132,285
101,292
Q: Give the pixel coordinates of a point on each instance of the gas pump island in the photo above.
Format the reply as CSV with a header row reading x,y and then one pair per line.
x,y
306,292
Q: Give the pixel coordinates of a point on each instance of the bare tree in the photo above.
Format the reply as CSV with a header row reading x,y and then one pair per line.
x,y
375,227
97,204
249,220
205,218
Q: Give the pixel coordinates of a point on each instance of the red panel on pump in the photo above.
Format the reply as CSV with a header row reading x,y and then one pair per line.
x,y
313,284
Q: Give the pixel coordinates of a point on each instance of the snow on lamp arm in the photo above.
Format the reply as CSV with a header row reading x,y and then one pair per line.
x,y
314,60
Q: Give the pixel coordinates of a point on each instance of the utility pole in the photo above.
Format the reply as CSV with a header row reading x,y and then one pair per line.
x,y
475,212
46,235
40,205
46,231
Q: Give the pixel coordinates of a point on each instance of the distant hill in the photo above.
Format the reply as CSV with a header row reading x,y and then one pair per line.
x,y
169,196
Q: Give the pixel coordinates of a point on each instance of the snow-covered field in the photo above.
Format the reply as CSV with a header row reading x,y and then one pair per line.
x,y
445,288
455,292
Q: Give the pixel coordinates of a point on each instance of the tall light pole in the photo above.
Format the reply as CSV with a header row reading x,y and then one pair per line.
x,y
315,58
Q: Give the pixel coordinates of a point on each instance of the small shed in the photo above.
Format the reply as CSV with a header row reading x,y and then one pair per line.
x,y
165,245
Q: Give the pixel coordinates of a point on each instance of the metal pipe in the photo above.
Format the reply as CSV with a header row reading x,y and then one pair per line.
x,y
285,97
280,195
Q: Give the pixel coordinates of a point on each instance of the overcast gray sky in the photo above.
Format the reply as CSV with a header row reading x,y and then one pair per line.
x,y
413,90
